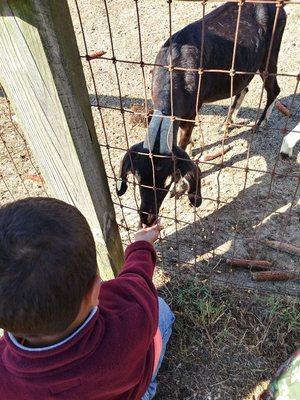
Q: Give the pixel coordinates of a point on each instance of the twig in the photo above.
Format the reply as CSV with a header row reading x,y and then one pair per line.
x,y
35,177
216,154
286,247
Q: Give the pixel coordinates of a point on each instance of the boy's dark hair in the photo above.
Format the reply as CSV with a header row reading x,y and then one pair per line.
x,y
47,264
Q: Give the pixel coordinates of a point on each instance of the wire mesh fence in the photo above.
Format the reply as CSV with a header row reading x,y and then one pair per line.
x,y
19,175
198,239
249,194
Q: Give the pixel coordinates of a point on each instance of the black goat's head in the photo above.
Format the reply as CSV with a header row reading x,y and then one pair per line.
x,y
175,168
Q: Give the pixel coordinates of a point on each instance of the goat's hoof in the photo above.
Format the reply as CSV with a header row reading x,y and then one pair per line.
x,y
189,149
222,129
285,150
284,156
225,128
263,124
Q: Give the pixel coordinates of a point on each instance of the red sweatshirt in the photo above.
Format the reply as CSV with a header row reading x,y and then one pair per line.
x,y
110,358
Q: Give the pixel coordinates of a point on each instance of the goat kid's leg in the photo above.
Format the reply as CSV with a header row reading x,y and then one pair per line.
x,y
230,119
185,133
237,104
289,142
273,90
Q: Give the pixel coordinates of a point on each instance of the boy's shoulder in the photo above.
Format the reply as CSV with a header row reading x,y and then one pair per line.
x,y
2,344
5,377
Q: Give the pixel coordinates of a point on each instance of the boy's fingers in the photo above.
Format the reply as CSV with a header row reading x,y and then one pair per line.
x,y
159,226
155,227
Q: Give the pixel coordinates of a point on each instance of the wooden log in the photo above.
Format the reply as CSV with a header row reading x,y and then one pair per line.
x,y
41,72
274,276
261,265
215,154
286,247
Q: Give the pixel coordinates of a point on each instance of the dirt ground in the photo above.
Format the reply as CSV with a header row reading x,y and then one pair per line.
x,y
244,218
226,342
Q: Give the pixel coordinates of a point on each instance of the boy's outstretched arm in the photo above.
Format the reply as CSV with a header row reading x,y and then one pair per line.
x,y
134,283
140,256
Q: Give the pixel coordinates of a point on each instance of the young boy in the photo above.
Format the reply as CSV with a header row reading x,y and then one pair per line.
x,y
67,334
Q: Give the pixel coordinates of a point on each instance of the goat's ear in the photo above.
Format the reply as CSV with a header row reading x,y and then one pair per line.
x,y
188,178
125,167
180,185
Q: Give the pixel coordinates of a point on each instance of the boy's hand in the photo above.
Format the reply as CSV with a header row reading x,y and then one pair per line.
x,y
149,234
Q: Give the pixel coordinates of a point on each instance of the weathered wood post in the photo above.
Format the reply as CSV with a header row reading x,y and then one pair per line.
x,y
41,71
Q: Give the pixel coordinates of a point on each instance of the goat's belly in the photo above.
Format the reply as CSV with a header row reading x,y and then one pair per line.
x,y
218,86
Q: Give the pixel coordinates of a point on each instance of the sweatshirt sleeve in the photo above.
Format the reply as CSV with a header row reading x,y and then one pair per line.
x,y
128,305
133,286
140,258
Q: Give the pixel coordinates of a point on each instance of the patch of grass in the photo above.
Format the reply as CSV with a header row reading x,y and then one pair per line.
x,y
222,338
198,306
287,315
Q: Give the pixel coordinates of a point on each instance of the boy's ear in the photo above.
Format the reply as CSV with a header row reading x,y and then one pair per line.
x,y
94,291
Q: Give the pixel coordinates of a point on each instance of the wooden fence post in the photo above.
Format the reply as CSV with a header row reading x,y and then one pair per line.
x,y
41,71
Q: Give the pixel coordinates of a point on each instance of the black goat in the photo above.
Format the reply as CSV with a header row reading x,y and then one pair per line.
x,y
253,43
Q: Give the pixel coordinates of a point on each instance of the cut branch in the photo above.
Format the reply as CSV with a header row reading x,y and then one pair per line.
x,y
286,247
283,109
216,154
274,276
261,265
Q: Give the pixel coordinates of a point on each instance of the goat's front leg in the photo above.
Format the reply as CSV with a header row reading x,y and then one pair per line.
x,y
185,133
270,82
231,117
290,141
273,90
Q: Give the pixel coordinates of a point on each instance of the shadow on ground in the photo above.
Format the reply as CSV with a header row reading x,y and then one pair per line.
x,y
227,343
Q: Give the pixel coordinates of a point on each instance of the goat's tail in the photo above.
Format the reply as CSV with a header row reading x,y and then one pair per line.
x,y
262,15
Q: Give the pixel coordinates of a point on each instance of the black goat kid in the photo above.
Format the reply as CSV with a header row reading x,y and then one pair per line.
x,y
178,169
253,43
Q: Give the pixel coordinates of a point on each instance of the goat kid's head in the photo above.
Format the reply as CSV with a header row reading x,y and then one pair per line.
x,y
176,168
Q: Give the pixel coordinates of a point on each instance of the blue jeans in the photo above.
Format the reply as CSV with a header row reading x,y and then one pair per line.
x,y
165,322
